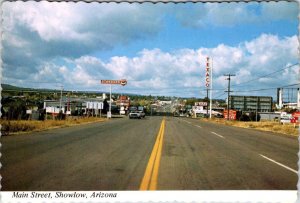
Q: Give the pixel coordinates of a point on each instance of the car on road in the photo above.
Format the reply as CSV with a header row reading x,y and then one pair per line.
x,y
142,113
135,114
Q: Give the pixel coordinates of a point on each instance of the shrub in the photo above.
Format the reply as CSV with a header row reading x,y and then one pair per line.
x,y
244,117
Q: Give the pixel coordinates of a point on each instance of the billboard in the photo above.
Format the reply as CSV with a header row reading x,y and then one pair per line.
x,y
94,105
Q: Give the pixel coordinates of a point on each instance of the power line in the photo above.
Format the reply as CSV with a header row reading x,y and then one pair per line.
x,y
290,85
220,95
264,89
262,76
257,90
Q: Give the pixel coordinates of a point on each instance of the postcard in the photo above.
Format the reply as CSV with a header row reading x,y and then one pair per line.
x,y
143,101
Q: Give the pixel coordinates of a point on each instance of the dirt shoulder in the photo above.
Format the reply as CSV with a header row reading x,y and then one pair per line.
x,y
271,126
16,127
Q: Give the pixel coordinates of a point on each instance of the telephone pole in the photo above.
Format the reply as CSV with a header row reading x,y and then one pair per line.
x,y
228,75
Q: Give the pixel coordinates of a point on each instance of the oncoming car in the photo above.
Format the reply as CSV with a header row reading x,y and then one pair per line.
x,y
135,114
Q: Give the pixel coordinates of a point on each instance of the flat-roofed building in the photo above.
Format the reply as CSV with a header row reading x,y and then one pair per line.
x,y
251,103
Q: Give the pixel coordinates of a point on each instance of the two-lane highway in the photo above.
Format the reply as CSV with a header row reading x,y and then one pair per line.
x,y
153,153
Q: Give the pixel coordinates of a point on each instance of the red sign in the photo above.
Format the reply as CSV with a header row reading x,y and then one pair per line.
x,y
294,120
296,114
232,114
114,82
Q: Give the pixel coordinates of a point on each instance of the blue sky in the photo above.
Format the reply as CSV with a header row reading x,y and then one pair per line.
x,y
159,48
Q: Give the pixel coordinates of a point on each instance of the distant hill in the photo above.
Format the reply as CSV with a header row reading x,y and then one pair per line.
x,y
11,87
7,87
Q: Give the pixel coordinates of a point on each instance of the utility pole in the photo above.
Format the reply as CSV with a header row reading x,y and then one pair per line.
x,y
60,103
228,75
207,100
256,108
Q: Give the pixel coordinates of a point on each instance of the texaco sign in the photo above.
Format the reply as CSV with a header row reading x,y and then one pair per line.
x,y
207,74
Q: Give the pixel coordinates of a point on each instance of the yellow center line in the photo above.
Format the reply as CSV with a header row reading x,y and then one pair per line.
x,y
149,181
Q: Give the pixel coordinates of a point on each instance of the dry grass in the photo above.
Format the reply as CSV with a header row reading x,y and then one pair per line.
x,y
272,126
16,127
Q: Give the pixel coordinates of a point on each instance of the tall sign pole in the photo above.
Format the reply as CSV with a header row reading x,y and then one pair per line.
x,y
211,84
122,82
207,81
109,116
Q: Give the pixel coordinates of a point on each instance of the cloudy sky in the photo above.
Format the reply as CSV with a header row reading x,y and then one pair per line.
x,y
159,48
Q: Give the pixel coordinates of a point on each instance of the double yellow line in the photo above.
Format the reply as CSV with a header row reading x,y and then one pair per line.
x,y
149,181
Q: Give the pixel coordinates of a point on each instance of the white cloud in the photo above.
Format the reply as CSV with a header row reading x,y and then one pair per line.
x,y
231,14
269,52
280,10
242,75
39,33
154,71
82,22
163,72
225,58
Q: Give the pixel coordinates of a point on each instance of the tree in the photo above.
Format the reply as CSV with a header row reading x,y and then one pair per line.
x,y
105,106
244,117
17,110
252,116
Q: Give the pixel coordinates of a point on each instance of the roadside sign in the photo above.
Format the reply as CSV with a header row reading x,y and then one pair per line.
x,y
200,103
232,114
100,105
122,82
294,120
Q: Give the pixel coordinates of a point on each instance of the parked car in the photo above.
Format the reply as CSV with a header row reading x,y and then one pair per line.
x,y
135,114
219,116
285,119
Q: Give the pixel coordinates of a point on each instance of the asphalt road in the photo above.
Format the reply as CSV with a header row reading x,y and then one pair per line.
x,y
204,156
115,155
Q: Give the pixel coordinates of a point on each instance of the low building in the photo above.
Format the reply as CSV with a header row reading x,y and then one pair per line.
x,y
77,106
251,103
